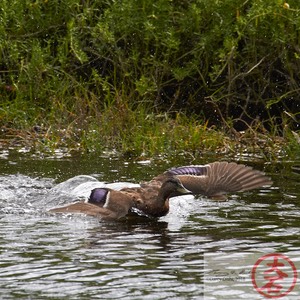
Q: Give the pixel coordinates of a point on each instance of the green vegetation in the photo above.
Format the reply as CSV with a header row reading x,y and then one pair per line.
x,y
143,76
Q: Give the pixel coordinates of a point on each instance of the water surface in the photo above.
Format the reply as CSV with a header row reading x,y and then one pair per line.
x,y
46,256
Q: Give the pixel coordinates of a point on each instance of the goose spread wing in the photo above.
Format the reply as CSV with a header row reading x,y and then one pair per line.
x,y
219,178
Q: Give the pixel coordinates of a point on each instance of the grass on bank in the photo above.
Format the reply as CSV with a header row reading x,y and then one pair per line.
x,y
138,132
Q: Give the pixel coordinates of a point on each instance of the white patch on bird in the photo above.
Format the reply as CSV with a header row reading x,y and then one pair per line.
x,y
107,200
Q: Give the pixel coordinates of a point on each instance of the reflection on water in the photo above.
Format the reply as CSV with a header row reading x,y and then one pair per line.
x,y
78,257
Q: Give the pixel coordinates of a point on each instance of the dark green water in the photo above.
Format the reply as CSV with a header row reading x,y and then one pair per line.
x,y
75,257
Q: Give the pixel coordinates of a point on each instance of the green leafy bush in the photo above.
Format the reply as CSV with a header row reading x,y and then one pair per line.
x,y
67,63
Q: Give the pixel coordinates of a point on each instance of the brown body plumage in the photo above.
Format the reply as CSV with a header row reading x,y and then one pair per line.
x,y
154,196
113,205
109,204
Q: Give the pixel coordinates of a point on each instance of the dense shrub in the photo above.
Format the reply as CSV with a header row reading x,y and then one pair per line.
x,y
219,60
